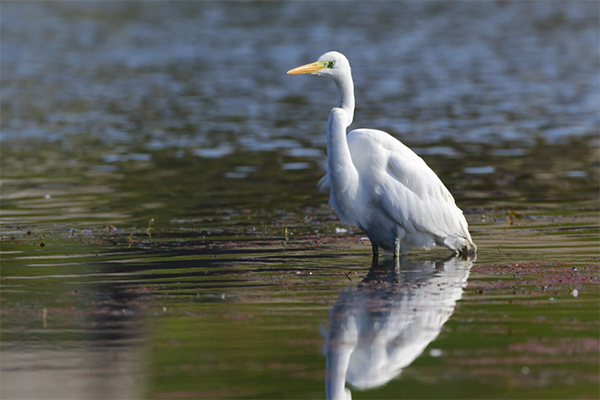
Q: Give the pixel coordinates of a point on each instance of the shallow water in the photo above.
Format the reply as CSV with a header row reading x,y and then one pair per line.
x,y
162,235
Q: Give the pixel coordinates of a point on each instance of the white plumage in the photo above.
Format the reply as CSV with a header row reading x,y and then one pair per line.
x,y
379,184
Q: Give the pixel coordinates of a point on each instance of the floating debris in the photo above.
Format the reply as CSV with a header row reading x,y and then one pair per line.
x,y
435,353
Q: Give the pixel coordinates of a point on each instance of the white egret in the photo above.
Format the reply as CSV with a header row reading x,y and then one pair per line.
x,y
379,184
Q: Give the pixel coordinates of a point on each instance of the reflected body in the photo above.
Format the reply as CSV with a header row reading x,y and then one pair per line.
x,y
384,324
379,184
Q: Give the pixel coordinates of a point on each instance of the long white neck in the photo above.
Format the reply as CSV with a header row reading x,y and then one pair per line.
x,y
345,87
343,175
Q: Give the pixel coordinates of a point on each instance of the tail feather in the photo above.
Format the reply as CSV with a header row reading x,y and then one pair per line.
x,y
461,245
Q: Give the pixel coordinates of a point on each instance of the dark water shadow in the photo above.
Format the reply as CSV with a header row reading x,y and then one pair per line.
x,y
85,345
387,321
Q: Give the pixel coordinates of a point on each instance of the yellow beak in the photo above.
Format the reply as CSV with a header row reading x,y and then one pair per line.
x,y
307,69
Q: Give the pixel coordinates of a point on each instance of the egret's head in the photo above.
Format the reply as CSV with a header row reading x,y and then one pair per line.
x,y
331,64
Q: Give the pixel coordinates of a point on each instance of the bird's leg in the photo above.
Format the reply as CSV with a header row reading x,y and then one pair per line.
x,y
374,261
375,252
397,273
397,248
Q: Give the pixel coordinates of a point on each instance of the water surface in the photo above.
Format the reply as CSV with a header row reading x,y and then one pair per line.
x,y
162,235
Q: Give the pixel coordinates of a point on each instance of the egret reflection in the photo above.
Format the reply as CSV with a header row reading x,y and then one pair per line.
x,y
382,325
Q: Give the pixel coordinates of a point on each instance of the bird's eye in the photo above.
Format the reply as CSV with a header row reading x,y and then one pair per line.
x,y
330,64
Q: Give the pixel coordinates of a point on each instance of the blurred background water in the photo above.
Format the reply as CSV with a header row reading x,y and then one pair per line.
x,y
212,76
159,170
